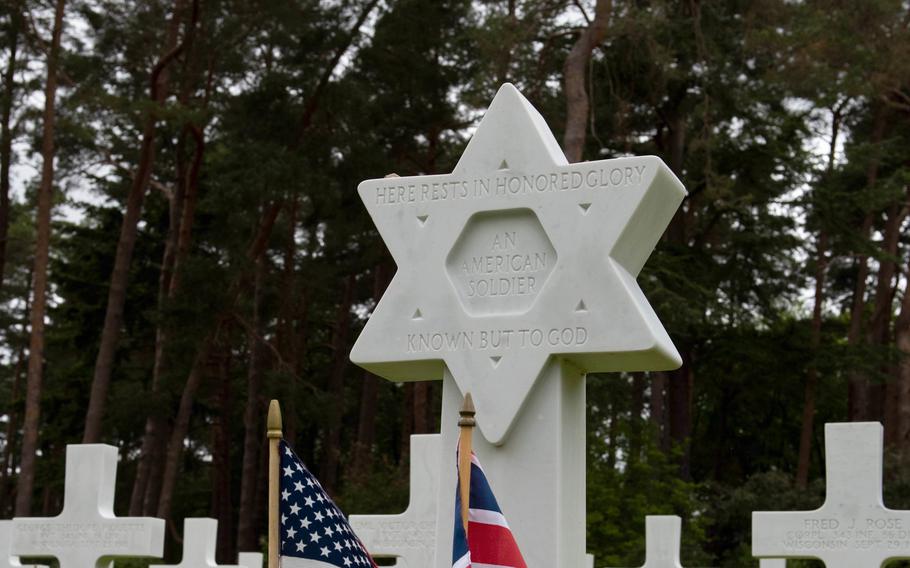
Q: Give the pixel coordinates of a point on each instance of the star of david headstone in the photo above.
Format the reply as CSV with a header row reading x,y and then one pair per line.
x,y
515,257
853,528
516,276
200,537
86,533
410,536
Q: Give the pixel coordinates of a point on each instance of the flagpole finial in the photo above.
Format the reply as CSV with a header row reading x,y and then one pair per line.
x,y
274,420
467,412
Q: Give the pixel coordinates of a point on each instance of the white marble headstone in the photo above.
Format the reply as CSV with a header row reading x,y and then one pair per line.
x,y
662,541
249,559
86,533
516,276
7,560
200,535
514,257
853,528
411,536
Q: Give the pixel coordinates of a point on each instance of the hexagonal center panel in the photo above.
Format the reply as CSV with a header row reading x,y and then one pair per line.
x,y
500,262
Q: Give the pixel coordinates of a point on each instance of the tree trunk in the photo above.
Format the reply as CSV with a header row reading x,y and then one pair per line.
x,y
680,382
39,274
680,406
6,132
156,459
421,407
12,426
879,335
181,213
407,425
286,339
635,418
857,395
902,341
129,229
821,269
857,389
194,379
658,408
155,421
808,421
340,340
252,423
613,435
369,397
222,509
575,73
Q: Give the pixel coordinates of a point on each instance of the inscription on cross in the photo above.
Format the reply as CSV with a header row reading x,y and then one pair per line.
x,y
411,536
853,528
7,560
86,533
199,538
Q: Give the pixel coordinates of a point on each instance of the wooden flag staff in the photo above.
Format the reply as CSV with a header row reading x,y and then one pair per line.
x,y
466,423
274,435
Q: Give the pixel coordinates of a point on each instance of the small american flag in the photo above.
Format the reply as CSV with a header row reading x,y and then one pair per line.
x,y
314,532
489,542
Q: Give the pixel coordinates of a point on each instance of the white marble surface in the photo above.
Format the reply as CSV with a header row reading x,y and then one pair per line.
x,y
200,537
410,537
6,535
250,559
853,528
516,276
86,533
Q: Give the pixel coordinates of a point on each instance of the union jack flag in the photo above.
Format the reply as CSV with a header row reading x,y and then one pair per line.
x,y
314,531
489,542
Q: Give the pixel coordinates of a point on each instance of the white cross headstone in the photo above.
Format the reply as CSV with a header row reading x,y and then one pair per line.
x,y
86,533
200,535
411,536
662,540
7,560
516,276
249,559
853,528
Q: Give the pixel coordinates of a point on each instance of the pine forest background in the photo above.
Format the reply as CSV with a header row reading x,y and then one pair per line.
x,y
181,240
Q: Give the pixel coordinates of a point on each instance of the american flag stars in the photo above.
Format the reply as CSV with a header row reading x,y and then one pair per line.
x,y
312,526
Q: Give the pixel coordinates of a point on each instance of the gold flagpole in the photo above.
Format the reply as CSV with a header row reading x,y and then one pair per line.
x,y
274,435
466,423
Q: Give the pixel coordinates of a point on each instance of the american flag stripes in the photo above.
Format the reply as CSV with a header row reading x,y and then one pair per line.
x,y
314,532
489,542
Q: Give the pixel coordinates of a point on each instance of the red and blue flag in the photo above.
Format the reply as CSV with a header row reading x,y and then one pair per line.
x,y
489,542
